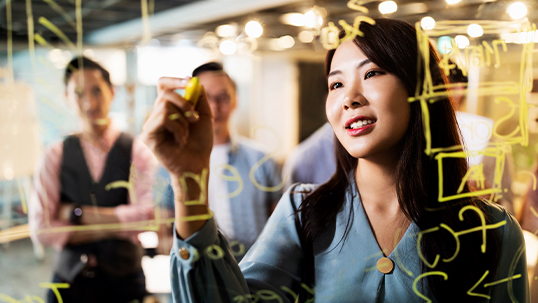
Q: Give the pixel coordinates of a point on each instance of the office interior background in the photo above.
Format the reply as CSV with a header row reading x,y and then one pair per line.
x,y
273,49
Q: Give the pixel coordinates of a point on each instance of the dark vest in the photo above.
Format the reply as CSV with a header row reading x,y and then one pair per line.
x,y
115,256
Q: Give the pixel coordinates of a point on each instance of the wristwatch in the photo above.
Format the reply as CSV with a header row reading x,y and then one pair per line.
x,y
76,215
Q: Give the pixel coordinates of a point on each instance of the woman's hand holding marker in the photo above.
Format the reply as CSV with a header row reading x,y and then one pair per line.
x,y
180,137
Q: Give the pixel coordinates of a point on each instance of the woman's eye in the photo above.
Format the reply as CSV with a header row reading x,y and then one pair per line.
x,y
335,85
372,73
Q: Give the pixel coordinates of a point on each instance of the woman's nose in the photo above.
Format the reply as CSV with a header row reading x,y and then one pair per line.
x,y
89,103
353,100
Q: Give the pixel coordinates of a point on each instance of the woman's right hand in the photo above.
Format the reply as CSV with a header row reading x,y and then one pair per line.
x,y
180,139
182,143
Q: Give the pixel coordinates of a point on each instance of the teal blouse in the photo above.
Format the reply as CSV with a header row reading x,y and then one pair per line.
x,y
204,270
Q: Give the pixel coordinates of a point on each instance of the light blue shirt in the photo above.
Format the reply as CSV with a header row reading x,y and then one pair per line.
x,y
203,269
250,207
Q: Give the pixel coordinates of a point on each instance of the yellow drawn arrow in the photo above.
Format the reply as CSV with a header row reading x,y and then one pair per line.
x,y
471,293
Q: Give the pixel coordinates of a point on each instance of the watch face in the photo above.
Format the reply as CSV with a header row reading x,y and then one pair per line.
x,y
78,211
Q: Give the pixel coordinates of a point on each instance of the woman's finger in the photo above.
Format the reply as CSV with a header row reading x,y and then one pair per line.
x,y
169,83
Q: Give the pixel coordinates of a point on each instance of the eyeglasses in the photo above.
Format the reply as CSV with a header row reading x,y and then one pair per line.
x,y
221,99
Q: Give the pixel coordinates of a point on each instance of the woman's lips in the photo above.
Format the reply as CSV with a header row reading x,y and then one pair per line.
x,y
360,130
358,119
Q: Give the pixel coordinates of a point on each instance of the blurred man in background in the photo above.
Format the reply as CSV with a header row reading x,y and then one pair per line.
x,y
240,207
76,185
313,160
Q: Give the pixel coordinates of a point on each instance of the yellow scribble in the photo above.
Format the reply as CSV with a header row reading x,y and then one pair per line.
x,y
471,293
54,287
123,184
39,39
31,45
475,173
478,55
53,28
505,118
61,12
241,246
8,299
419,250
496,47
236,177
268,295
397,256
417,279
356,5
497,150
482,221
262,161
353,31
329,36
146,33
291,292
210,252
202,183
482,228
78,14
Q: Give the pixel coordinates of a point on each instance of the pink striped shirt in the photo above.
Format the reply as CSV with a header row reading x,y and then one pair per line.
x,y
45,199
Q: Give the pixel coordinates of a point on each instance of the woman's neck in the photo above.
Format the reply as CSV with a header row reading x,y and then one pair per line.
x,y
376,181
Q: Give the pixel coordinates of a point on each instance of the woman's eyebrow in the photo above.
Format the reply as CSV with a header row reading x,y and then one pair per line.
x,y
361,64
334,72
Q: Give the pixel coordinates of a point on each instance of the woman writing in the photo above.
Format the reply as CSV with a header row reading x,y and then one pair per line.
x,y
375,232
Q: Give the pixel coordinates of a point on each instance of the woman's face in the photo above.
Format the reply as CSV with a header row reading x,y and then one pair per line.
x,y
366,106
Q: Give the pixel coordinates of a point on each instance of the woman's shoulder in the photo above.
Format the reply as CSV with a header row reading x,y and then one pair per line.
x,y
503,220
495,211
298,191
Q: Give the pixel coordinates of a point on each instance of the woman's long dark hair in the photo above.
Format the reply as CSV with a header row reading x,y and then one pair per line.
x,y
392,45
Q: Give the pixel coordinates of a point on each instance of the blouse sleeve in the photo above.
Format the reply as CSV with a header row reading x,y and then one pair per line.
x,y
511,283
204,270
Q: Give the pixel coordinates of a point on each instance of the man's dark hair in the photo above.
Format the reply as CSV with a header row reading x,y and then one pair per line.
x,y
75,64
213,67
456,75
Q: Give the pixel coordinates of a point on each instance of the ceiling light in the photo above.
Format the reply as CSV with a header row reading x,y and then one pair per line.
x,y
388,7
444,45
461,41
427,23
8,173
295,19
227,47
88,53
306,36
517,10
475,30
452,1
226,30
254,29
312,19
286,41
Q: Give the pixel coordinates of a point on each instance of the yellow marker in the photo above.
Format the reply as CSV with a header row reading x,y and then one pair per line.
x,y
192,91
